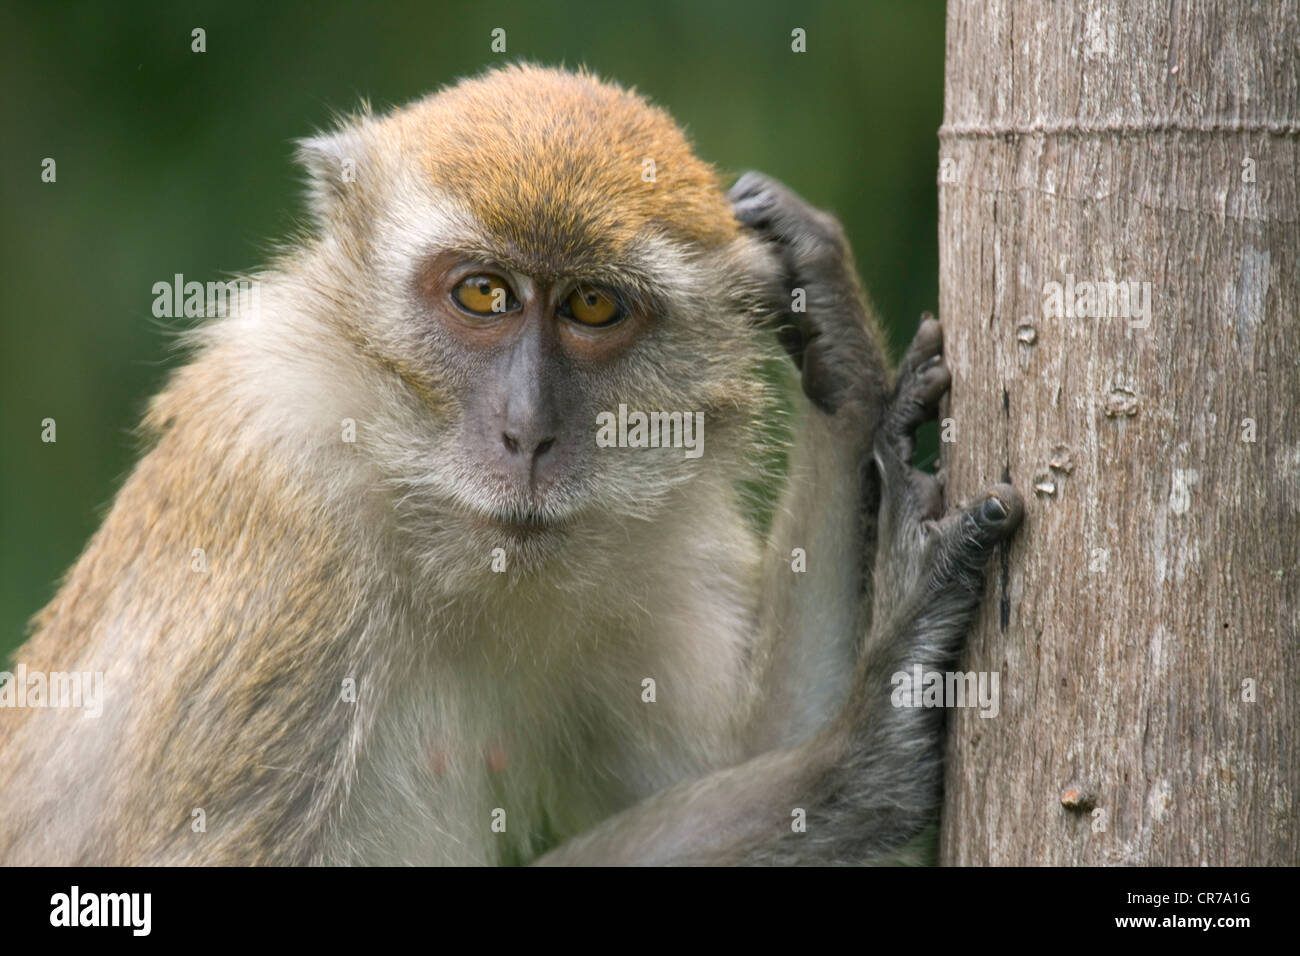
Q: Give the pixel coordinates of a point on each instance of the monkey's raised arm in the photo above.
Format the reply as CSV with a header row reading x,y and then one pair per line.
x,y
811,622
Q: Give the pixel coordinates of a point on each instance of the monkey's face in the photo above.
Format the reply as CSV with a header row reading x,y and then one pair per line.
x,y
534,358
538,261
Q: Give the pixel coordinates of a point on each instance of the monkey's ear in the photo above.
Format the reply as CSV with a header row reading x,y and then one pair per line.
x,y
335,164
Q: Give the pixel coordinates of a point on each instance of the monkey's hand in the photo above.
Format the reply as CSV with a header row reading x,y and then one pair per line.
x,y
821,314
930,563
929,576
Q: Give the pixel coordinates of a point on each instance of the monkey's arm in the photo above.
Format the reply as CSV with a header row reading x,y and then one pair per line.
x,y
815,594
871,780
816,580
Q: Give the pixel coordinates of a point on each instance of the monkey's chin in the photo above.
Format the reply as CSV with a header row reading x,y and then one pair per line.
x,y
528,545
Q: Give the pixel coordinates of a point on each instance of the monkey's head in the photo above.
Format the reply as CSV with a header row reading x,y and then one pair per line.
x,y
514,256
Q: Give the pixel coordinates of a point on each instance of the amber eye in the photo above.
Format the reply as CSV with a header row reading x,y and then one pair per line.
x,y
592,307
484,295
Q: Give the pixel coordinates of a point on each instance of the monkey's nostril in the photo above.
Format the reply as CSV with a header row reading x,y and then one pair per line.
x,y
513,446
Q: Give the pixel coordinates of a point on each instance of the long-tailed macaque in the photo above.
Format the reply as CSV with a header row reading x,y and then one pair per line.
x,y
440,551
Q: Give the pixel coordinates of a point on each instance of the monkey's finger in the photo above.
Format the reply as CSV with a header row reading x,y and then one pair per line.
x,y
747,183
919,386
752,183
927,343
781,215
926,496
968,537
916,402
752,199
754,213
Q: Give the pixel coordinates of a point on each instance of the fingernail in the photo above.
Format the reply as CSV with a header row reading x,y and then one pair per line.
x,y
994,510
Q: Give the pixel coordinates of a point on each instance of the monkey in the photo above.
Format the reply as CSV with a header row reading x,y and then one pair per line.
x,y
373,594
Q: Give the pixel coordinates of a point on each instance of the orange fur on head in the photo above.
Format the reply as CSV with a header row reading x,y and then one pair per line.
x,y
570,181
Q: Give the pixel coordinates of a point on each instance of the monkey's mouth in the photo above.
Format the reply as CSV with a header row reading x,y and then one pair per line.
x,y
521,524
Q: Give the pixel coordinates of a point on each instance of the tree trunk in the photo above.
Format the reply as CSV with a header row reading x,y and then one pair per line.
x,y
1144,622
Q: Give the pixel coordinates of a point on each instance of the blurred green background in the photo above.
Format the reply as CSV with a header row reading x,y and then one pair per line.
x,y
171,161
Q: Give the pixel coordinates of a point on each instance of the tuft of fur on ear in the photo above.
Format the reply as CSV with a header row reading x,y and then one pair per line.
x,y
334,161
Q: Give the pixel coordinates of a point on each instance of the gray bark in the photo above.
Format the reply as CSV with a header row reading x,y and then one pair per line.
x,y
1154,581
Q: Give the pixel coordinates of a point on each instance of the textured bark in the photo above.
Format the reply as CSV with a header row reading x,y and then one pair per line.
x,y
1157,568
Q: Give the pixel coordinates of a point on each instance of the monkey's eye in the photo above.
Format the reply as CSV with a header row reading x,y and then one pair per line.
x,y
591,307
484,295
